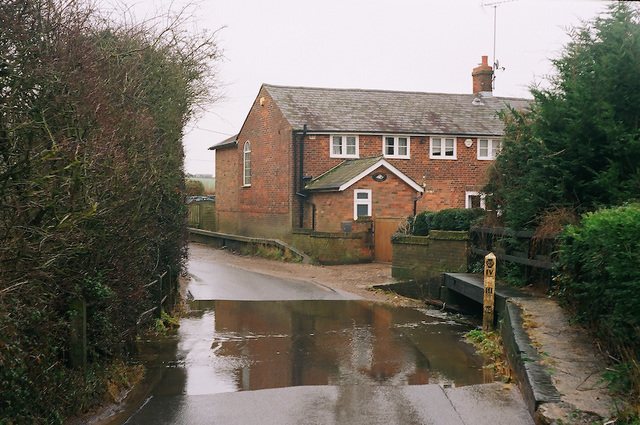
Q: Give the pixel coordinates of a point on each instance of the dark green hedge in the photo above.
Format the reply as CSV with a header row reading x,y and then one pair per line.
x,y
600,263
458,219
92,115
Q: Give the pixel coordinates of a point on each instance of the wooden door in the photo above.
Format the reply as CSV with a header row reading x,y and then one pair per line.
x,y
383,228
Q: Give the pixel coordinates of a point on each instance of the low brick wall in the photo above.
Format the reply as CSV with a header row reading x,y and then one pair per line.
x,y
335,248
422,257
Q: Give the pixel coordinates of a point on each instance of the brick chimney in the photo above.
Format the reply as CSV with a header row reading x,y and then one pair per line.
x,y
483,77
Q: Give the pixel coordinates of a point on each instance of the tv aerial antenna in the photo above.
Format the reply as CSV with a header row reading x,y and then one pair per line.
x,y
495,4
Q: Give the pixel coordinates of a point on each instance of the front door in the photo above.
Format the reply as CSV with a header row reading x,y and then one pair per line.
x,y
383,228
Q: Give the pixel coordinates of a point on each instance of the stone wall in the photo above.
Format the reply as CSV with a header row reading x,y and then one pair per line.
x,y
422,257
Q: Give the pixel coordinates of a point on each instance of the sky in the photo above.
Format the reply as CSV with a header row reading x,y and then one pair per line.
x,y
405,45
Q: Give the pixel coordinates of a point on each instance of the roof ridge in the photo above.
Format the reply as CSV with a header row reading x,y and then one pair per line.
x,y
363,90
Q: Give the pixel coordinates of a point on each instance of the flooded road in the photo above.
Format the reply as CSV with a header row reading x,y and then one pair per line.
x,y
247,345
317,358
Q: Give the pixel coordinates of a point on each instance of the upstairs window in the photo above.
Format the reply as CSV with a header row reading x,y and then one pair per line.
x,y
361,203
344,146
488,148
396,147
443,148
246,156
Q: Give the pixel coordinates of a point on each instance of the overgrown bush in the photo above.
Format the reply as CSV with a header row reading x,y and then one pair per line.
x,y
601,277
459,219
92,190
194,188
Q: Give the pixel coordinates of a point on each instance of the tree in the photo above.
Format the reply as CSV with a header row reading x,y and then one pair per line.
x,y
578,146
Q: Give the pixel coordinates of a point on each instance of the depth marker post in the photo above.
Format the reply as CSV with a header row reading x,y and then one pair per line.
x,y
489,291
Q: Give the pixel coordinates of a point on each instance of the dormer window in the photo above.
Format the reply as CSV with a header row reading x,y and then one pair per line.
x,y
344,146
396,147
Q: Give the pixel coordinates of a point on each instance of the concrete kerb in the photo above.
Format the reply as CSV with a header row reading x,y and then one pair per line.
x,y
533,379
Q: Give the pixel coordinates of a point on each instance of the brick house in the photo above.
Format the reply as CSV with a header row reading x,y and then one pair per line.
x,y
338,161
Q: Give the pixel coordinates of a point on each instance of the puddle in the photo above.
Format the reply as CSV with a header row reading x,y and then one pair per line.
x,y
229,346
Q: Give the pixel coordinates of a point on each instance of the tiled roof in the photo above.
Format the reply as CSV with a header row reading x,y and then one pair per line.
x,y
351,170
377,111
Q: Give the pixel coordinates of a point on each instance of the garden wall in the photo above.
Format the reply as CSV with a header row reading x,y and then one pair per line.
x,y
338,247
423,257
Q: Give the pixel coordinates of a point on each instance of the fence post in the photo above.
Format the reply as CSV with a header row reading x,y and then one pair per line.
x,y
78,335
157,297
489,291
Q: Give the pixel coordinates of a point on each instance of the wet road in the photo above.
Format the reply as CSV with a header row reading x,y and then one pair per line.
x,y
213,281
307,354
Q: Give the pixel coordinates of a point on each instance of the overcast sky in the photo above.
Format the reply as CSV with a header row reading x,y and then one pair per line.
x,y
408,45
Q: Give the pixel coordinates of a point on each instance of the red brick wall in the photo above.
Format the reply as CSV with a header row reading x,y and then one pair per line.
x,y
227,180
446,180
264,208
390,198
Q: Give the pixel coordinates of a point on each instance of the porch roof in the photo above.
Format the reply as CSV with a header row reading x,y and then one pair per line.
x,y
350,171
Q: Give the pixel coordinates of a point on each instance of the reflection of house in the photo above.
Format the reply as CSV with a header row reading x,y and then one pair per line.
x,y
318,159
281,344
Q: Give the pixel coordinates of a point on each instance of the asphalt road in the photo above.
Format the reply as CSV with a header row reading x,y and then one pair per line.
x,y
213,281
488,404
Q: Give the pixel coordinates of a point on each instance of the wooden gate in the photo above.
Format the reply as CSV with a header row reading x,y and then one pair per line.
x,y
383,228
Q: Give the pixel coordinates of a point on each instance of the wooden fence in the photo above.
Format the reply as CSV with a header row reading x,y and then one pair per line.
x,y
534,254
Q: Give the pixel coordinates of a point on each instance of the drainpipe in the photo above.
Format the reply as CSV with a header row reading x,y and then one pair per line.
x,y
300,185
415,203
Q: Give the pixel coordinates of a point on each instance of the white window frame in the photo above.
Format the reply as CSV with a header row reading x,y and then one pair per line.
x,y
343,146
357,201
493,149
246,164
467,201
443,148
396,147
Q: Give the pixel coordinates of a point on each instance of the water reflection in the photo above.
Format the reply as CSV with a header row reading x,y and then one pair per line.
x,y
248,345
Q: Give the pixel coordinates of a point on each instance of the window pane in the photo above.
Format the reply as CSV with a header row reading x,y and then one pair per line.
x,y
403,144
362,195
483,148
362,210
495,148
449,147
247,164
474,201
351,145
389,146
337,145
436,147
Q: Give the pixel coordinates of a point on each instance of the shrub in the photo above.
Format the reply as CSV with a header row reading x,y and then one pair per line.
x,y
422,223
459,219
194,188
601,277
